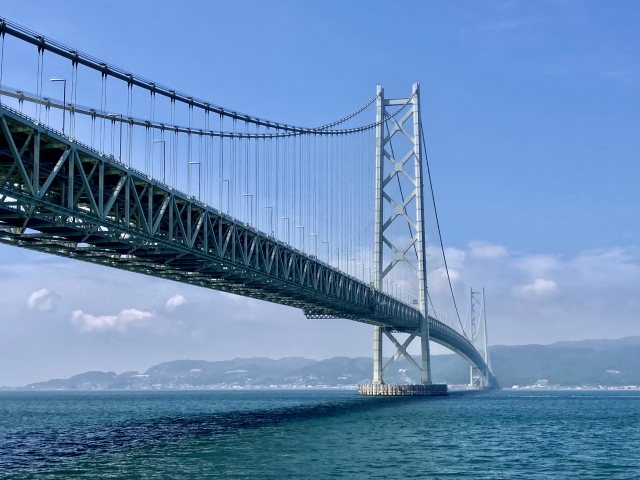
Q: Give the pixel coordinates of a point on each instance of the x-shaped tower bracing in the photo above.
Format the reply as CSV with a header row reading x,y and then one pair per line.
x,y
392,206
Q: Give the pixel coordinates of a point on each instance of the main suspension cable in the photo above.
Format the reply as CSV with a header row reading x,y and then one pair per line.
x,y
435,210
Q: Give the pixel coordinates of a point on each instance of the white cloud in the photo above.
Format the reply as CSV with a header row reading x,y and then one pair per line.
x,y
538,265
126,318
41,300
175,301
455,257
487,250
538,288
437,279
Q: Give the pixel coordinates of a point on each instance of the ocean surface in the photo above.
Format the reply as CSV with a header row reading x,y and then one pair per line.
x,y
319,434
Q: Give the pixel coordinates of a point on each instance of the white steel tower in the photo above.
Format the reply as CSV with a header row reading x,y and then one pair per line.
x,y
392,206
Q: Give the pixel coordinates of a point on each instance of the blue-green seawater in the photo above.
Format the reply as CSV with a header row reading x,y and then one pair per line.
x,y
319,434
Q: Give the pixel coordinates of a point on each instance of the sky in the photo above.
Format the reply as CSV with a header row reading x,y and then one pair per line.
x,y
530,112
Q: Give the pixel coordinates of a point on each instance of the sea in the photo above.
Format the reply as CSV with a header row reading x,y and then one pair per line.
x,y
319,434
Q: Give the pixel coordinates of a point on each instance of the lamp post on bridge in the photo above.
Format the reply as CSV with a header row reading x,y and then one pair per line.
x,y
328,260
64,99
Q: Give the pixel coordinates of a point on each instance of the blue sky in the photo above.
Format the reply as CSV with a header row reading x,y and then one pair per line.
x,y
530,108
530,112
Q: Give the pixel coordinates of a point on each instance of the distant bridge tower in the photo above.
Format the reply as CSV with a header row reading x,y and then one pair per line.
x,y
477,334
393,206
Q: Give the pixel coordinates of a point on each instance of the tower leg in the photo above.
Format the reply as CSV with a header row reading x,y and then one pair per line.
x,y
377,355
426,353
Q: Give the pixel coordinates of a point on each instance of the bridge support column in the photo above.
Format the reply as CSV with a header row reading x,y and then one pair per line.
x,y
420,240
377,241
477,379
425,374
377,355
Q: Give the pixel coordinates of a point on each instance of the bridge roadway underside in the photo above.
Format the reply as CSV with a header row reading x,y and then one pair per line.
x,y
61,197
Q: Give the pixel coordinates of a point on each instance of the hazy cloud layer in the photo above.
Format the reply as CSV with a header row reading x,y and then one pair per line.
x,y
546,298
97,318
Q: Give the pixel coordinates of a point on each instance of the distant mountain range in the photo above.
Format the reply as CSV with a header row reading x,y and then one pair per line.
x,y
585,363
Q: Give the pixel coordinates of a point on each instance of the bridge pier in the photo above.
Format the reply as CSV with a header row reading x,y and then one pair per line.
x,y
372,389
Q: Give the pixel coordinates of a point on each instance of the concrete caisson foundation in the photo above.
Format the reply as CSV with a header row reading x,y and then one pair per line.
x,y
383,389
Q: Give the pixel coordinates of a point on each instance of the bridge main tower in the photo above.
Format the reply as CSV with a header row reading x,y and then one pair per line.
x,y
396,167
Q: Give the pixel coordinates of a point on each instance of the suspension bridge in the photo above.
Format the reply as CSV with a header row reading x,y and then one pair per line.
x,y
104,166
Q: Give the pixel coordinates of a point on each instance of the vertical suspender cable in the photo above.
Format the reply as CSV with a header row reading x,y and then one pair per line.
x,y
294,181
208,140
276,176
74,95
189,149
130,126
103,108
257,179
221,166
39,81
1,62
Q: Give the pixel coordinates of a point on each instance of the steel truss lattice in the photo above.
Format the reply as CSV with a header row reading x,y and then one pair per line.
x,y
408,165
